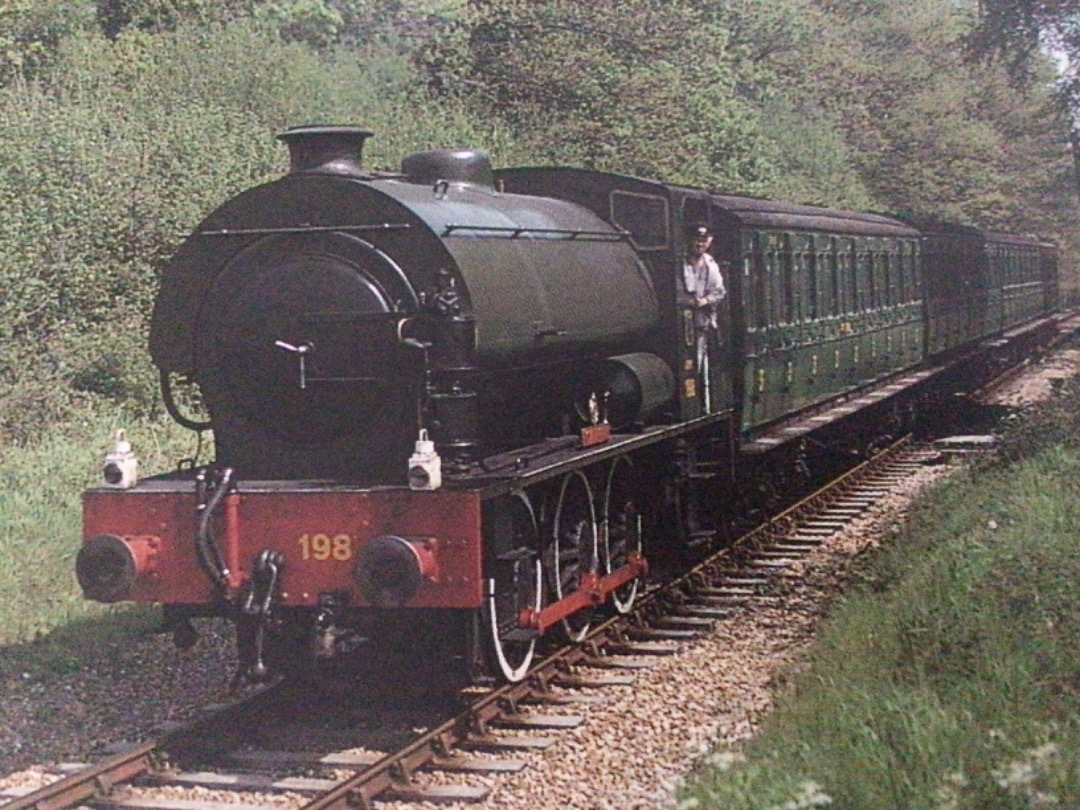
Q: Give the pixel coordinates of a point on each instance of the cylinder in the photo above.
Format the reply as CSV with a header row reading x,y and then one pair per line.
x,y
636,385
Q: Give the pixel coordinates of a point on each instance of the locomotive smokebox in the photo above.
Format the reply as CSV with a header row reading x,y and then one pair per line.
x,y
325,150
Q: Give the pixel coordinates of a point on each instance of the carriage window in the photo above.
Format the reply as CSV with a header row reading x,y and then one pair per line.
x,y
898,274
846,278
803,291
778,272
761,289
813,307
755,282
904,276
873,280
789,282
886,296
774,275
843,281
913,274
825,262
1030,267
904,281
881,262
862,281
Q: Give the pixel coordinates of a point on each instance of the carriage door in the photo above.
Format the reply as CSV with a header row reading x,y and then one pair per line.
x,y
700,392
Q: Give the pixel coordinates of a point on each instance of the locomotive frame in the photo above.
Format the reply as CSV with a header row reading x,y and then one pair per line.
x,y
533,321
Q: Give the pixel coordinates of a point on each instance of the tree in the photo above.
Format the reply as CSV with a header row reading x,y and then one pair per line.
x,y
647,86
116,16
31,30
1021,32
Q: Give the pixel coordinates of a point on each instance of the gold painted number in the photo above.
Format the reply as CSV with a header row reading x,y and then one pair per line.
x,y
322,547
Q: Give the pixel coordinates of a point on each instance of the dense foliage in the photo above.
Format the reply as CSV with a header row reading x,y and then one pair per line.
x,y
126,121
649,87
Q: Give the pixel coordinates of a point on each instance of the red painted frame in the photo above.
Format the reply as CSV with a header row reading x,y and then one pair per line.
x,y
162,514
593,592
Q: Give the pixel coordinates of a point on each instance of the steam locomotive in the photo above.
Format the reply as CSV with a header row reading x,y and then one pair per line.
x,y
458,409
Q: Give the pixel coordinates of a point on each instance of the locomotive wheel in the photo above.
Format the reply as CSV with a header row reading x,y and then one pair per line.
x,y
621,530
514,582
573,546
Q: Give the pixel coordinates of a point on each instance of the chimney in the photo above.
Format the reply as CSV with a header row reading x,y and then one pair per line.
x,y
327,150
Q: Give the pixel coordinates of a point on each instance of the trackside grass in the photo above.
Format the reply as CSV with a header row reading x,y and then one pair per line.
x,y
950,678
40,515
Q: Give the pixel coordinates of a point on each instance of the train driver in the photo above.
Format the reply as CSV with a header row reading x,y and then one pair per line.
x,y
705,286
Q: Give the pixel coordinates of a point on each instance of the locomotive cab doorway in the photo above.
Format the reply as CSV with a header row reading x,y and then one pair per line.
x,y
705,371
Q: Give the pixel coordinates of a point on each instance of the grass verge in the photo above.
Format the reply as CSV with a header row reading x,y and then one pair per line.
x,y
951,677
40,514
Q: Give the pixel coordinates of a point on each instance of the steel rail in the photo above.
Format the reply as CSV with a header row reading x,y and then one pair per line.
x,y
98,780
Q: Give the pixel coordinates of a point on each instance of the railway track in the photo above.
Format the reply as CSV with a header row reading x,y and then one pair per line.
x,y
459,758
